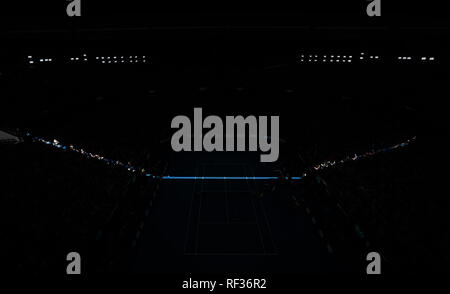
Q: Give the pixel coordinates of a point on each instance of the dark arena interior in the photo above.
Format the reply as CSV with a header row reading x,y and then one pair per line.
x,y
87,163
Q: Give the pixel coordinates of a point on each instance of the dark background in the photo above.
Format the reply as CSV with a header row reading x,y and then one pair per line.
x,y
228,59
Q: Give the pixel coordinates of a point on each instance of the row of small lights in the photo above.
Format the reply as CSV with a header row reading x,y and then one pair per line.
x,y
122,59
325,58
102,59
40,60
304,58
372,57
82,58
423,58
313,58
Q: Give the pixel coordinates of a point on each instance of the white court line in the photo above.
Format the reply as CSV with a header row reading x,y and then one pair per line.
x,y
254,211
267,222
